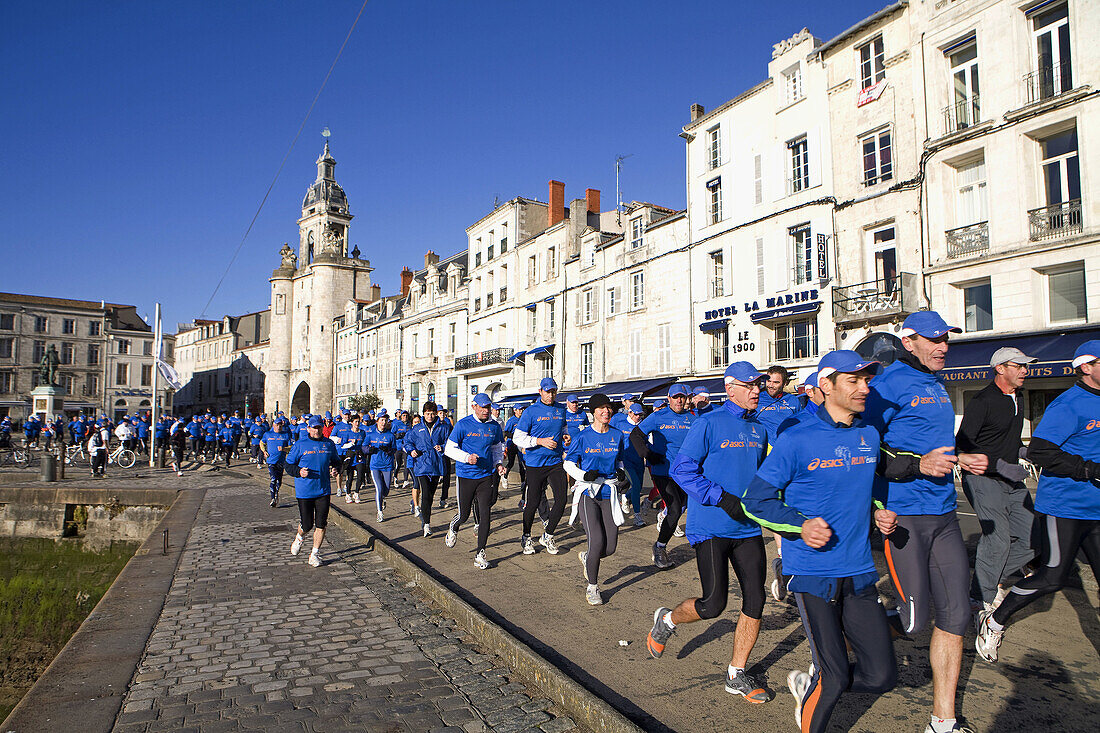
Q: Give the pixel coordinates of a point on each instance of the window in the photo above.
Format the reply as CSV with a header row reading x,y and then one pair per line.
x,y
964,110
719,348
588,255
477,259
796,339
637,230
800,164
792,84
1053,73
664,348
872,63
717,275
1066,292
612,302
635,361
758,179
489,252
637,289
551,262
532,322
1061,170
504,239
550,316
38,351
280,304
93,384
68,326
587,374
451,339
65,381
714,148
803,253
759,265
124,346
431,342
7,321
978,307
416,345
532,270
973,206
147,348
66,356
477,304
547,360
122,374
714,201
40,324
885,259
878,159
7,348
588,305
146,375
93,328
6,382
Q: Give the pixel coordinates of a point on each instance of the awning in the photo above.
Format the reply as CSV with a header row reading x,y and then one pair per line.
x,y
518,399
714,325
549,299
516,356
540,349
531,306
968,361
616,390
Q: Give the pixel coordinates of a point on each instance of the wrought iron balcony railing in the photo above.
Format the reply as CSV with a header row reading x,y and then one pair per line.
x,y
962,114
874,300
1055,221
1048,81
483,358
968,240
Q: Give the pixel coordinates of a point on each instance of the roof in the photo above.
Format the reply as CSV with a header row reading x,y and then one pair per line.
x,y
60,302
860,27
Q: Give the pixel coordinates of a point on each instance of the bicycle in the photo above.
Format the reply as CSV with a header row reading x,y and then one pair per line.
x,y
75,455
12,456
122,456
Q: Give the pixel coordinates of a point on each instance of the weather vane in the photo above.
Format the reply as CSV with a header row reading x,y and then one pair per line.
x,y
325,133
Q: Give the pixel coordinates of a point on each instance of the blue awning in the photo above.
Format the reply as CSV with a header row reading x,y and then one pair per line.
x,y
516,356
968,361
714,325
540,349
518,399
714,385
549,299
616,390
531,306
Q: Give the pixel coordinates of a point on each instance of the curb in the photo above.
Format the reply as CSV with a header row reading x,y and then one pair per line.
x,y
84,685
586,709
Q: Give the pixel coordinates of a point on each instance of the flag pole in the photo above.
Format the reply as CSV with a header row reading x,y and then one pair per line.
x,y
157,345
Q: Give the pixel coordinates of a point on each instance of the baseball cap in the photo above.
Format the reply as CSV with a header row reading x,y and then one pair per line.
x,y
743,371
700,390
844,361
495,405
328,415
1010,353
599,400
316,421
660,404
482,400
630,396
678,389
636,408
547,384
1086,352
810,380
928,324
571,398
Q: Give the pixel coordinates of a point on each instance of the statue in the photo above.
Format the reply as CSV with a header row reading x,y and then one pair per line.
x,y
289,258
330,241
47,370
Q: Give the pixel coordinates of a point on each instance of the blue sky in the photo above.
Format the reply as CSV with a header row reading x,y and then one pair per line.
x,y
138,138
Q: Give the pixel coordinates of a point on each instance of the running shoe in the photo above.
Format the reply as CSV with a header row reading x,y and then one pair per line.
x,y
746,686
274,502
348,498
179,473
583,556
417,513
442,504
547,541
661,517
639,520
988,641
659,634
479,560
315,559
412,507
427,530
956,728
678,532
660,557
798,682
779,588
452,536
592,595
527,545
624,503
355,497
379,516
522,503
296,545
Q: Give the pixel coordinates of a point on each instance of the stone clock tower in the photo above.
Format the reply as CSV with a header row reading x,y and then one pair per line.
x,y
308,290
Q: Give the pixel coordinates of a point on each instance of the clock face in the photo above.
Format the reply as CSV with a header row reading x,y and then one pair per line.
x,y
309,239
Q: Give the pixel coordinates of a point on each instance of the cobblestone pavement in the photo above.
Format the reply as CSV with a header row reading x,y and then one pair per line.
x,y
253,638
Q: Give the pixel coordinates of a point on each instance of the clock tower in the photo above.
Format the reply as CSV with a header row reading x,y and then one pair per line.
x,y
323,228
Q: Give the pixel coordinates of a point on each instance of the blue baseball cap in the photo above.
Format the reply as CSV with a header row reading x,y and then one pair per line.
x,y
1086,352
315,422
810,380
328,415
742,371
678,389
572,398
495,405
547,384
482,400
660,404
928,324
630,396
636,408
844,361
700,390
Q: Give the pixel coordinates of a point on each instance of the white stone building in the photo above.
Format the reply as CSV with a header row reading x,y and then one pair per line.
x,y
221,364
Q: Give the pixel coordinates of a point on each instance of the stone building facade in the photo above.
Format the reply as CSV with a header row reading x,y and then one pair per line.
x,y
221,364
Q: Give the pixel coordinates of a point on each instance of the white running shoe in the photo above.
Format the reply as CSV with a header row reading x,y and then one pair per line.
x,y
527,545
988,641
625,504
355,498
451,538
661,516
315,559
592,595
347,498
296,545
179,473
547,541
583,557
379,516
678,532
427,530
639,520
479,560
417,513
798,682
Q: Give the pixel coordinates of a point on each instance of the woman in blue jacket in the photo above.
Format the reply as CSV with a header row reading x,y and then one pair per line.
x,y
380,445
312,460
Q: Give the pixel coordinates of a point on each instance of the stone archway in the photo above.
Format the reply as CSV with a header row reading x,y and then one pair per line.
x,y
299,403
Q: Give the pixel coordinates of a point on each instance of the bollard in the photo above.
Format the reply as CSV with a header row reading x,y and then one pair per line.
x,y
165,552
48,470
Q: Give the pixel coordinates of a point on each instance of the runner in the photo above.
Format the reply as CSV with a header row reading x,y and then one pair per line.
x,y
540,432
816,487
700,401
1066,445
912,412
718,458
427,441
477,447
594,460
625,421
381,446
352,438
513,452
274,446
177,436
667,429
314,460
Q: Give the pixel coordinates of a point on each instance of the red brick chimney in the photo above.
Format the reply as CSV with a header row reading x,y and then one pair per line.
x,y
556,210
592,199
406,280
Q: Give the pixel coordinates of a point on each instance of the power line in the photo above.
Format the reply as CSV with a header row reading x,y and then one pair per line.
x,y
285,157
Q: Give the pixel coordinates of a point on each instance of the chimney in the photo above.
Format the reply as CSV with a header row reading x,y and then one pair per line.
x,y
406,280
375,293
556,210
592,198
430,258
697,111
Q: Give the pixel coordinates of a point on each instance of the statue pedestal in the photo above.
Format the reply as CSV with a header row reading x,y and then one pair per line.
x,y
47,401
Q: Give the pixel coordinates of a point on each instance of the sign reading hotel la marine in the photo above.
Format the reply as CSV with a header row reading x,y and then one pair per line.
x,y
779,306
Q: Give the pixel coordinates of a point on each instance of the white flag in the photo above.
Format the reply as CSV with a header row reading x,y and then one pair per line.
x,y
171,376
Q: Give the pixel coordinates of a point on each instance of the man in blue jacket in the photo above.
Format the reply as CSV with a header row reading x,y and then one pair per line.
x,y
718,458
476,445
275,444
426,443
541,432
912,412
313,460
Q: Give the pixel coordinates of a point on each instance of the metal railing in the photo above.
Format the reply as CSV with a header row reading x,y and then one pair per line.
x,y
1055,221
1048,81
961,115
874,299
488,300
483,358
968,240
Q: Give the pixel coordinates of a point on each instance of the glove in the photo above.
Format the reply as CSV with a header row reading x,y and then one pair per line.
x,y
1014,472
591,475
655,457
620,475
731,505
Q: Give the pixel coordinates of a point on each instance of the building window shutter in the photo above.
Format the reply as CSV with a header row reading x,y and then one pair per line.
x,y
760,271
758,179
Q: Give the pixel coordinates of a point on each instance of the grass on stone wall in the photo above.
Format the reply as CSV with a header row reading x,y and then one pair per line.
x,y
47,589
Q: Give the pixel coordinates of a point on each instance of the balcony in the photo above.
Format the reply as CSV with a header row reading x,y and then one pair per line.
x,y
422,364
1055,221
489,300
1048,81
484,358
962,114
503,295
876,300
968,240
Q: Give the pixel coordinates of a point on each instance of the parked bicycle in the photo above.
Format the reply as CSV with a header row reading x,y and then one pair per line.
x,y
18,457
122,456
76,455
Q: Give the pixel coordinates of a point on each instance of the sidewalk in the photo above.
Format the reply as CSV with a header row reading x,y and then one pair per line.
x,y
253,638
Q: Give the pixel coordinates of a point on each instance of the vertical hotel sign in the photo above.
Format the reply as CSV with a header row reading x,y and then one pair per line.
x,y
822,257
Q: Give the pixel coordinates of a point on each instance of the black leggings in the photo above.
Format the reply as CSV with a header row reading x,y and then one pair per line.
x,y
473,491
675,500
428,486
861,620
538,478
713,558
445,482
514,455
603,534
196,447
1064,537
314,512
